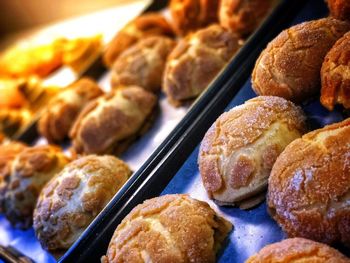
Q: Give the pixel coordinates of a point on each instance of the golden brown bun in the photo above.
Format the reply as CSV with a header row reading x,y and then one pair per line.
x,y
170,228
290,65
191,15
73,198
339,9
243,16
150,24
196,60
143,63
108,121
335,75
30,170
298,250
309,186
61,112
238,151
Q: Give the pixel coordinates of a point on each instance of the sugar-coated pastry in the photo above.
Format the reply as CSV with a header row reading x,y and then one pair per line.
x,y
309,186
238,151
61,112
339,9
150,24
30,170
196,60
170,228
73,198
143,63
335,77
243,16
191,15
290,65
109,122
298,250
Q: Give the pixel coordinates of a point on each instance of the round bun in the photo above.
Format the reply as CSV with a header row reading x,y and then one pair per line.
x,y
309,186
143,64
196,60
290,65
339,9
238,151
32,168
72,199
243,16
335,76
298,250
170,228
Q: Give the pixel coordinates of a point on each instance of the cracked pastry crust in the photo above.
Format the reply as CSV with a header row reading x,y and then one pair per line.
x,y
73,198
150,24
61,112
298,250
170,228
339,9
335,75
243,16
107,122
238,151
195,62
143,64
191,15
290,65
30,170
309,186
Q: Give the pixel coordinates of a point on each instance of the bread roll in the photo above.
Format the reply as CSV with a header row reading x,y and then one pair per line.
x,y
61,112
143,64
309,186
335,75
195,62
150,24
240,148
30,170
73,198
290,65
108,122
170,228
339,9
298,250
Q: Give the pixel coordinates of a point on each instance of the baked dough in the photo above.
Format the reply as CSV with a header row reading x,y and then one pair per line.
x,y
170,228
339,9
238,151
309,186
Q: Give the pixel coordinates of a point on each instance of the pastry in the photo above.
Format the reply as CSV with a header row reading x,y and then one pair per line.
x,y
238,151
335,76
30,170
290,65
111,121
150,24
61,112
191,15
143,64
13,120
74,197
339,9
170,228
195,62
309,186
298,250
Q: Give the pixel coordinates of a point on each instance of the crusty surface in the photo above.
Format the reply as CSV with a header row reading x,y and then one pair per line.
x,y
243,16
298,250
168,229
73,198
238,151
309,186
196,60
143,64
61,112
111,119
150,24
335,75
339,9
32,168
290,65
